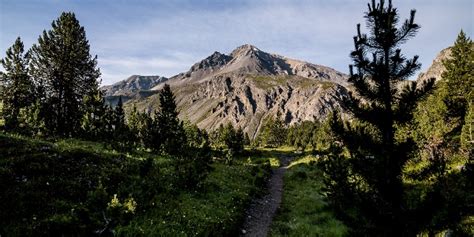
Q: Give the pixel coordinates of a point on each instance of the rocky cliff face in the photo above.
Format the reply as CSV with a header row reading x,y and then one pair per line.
x,y
249,85
436,68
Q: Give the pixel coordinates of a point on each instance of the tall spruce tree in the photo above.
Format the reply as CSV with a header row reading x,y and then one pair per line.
x,y
17,87
119,118
63,67
440,117
459,76
171,131
370,182
458,82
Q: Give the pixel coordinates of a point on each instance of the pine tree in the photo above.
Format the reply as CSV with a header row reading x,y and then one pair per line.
x,y
441,116
458,83
65,71
274,133
370,182
441,125
119,119
17,86
196,138
133,124
147,131
467,137
239,141
172,135
459,76
121,134
34,121
93,122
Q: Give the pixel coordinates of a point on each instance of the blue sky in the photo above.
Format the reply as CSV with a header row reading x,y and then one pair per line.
x,y
166,37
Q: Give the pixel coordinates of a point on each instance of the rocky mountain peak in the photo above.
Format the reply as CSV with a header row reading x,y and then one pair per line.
x,y
437,68
214,60
247,60
244,50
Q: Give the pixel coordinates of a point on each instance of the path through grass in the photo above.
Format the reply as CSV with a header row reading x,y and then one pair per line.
x,y
304,210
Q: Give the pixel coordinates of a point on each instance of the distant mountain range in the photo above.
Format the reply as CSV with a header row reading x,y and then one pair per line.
x,y
244,88
134,87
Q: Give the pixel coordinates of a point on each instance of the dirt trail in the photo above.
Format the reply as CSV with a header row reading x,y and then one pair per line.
x,y
261,211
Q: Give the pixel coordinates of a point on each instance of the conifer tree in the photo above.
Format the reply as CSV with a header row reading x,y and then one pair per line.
x,y
467,137
147,131
119,113
172,135
458,83
133,124
108,121
239,141
196,138
33,119
121,134
93,122
441,125
440,117
459,76
63,67
370,182
17,91
274,133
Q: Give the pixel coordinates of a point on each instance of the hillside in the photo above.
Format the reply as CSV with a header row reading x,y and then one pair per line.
x,y
249,85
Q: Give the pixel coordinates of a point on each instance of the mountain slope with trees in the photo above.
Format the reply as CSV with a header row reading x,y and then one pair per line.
x,y
248,86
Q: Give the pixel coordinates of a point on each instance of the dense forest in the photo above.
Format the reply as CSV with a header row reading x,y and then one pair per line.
x,y
396,161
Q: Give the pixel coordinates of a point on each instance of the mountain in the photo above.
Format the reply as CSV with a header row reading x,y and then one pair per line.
x,y
437,68
248,59
133,87
248,86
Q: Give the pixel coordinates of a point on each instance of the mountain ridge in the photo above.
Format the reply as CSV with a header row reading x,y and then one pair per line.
x,y
249,85
248,59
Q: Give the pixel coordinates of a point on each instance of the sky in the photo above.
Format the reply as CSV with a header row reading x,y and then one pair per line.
x,y
165,37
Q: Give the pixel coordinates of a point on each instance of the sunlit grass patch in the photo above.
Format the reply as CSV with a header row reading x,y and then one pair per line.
x,y
304,160
304,210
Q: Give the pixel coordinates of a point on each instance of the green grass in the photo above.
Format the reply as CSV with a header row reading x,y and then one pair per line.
x,y
67,186
217,210
270,155
267,82
304,210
